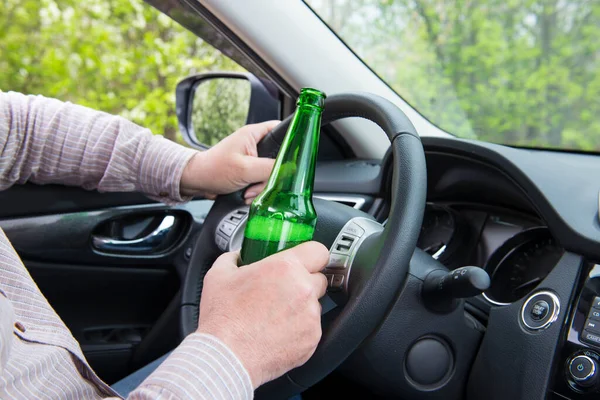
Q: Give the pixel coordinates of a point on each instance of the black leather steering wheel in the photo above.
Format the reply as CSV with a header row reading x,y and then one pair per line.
x,y
380,266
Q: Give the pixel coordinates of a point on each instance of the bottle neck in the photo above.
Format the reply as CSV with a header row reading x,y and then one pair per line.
x,y
294,170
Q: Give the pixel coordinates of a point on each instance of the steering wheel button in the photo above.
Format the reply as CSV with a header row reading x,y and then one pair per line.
x,y
337,281
337,261
596,303
221,242
354,229
237,216
329,279
226,228
344,244
539,310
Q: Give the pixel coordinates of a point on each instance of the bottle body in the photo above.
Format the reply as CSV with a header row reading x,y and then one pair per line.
x,y
283,215
277,227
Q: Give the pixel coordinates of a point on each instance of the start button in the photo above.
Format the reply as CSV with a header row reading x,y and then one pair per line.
x,y
540,310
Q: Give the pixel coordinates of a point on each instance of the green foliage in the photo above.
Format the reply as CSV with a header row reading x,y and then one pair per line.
x,y
120,56
523,72
220,107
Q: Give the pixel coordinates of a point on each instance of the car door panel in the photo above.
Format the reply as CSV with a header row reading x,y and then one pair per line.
x,y
109,310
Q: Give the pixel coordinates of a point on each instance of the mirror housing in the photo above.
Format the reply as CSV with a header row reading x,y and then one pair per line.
x,y
264,101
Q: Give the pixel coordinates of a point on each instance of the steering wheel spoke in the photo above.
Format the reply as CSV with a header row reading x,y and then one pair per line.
x,y
230,231
343,255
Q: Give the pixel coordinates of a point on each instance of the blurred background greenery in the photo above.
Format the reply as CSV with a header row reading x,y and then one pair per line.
x,y
523,72
119,56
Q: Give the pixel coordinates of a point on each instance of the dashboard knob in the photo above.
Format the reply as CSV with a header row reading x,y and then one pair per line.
x,y
583,370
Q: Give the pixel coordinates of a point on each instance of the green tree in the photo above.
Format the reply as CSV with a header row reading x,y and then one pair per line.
x,y
119,56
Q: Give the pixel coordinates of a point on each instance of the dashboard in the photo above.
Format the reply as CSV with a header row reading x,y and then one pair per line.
x,y
530,219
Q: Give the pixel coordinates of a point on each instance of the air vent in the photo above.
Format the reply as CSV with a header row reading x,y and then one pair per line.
x,y
350,201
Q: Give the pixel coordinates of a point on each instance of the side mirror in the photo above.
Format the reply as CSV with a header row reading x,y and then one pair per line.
x,y
213,105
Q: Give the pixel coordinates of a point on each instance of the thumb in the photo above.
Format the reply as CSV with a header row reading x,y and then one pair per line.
x,y
260,130
258,169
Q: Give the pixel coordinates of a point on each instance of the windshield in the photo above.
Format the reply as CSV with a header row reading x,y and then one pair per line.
x,y
521,72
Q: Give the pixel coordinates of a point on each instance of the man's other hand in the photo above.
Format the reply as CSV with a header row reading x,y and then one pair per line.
x,y
268,313
230,165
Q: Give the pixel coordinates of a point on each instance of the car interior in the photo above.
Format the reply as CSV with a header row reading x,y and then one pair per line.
x,y
459,268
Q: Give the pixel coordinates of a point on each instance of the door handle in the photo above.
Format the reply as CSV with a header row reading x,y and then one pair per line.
x,y
154,241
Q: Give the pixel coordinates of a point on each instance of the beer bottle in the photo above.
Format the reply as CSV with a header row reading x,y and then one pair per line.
x,y
283,215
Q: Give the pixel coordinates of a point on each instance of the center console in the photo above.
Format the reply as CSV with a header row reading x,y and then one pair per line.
x,y
577,373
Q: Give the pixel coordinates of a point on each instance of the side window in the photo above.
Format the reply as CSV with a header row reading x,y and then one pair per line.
x,y
120,56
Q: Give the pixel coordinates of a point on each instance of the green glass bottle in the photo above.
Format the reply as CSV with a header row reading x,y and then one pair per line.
x,y
283,215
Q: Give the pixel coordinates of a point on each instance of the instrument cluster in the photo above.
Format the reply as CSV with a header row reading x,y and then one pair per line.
x,y
517,250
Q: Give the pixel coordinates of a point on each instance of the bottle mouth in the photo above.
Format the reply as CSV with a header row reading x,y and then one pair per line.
x,y
311,97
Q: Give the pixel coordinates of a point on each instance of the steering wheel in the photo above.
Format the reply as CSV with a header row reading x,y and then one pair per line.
x,y
369,277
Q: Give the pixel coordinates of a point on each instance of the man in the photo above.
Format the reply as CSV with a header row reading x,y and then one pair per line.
x,y
238,345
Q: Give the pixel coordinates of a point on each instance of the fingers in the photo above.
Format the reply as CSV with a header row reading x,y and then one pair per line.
x,y
313,255
253,191
258,169
319,282
259,131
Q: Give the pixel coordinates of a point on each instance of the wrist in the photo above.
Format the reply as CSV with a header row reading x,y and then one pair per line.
x,y
159,169
201,355
226,337
194,175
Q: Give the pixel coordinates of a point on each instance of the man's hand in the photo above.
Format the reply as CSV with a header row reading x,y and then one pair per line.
x,y
230,165
268,313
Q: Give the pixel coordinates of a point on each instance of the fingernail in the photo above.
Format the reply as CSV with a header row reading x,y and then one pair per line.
x,y
248,201
250,195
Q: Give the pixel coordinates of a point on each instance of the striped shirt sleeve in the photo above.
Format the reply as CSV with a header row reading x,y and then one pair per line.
x,y
202,367
7,316
45,141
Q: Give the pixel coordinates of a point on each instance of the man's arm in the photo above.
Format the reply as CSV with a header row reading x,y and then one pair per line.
x,y
44,140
